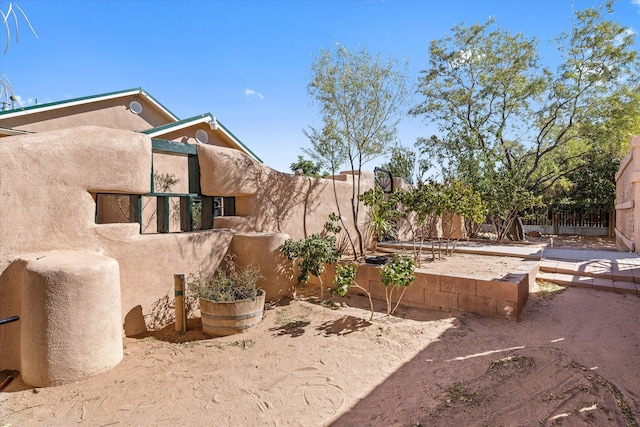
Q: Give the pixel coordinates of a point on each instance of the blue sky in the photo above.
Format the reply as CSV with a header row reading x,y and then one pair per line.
x,y
248,62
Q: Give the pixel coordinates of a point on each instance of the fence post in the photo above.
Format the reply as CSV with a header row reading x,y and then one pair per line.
x,y
181,315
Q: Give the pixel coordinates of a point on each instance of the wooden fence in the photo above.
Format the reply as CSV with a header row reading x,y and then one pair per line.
x,y
548,218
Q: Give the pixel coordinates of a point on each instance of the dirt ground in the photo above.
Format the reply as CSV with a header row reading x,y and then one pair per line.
x,y
573,360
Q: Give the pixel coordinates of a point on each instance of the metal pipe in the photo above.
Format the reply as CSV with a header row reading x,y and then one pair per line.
x,y
9,319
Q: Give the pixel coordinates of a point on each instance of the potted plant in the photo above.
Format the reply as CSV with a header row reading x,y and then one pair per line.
x,y
230,301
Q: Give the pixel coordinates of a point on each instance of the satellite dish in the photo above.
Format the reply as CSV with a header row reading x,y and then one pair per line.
x,y
135,107
202,136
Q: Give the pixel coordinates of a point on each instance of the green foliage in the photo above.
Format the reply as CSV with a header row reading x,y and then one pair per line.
x,y
12,14
399,273
514,129
308,167
231,283
360,98
402,163
425,204
590,188
312,253
382,215
345,277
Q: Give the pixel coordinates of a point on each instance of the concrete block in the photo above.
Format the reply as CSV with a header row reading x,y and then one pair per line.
x,y
414,294
476,304
548,266
368,272
427,281
458,285
505,291
565,267
441,300
623,272
376,289
625,288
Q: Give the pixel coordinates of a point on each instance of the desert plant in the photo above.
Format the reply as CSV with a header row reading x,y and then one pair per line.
x,y
312,253
345,278
382,215
399,273
231,283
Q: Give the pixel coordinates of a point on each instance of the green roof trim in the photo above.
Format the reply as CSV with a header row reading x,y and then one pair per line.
x,y
239,142
164,146
197,119
134,91
49,105
178,123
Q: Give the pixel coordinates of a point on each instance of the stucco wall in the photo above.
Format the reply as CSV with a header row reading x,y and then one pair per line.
x,y
47,186
268,200
627,199
111,113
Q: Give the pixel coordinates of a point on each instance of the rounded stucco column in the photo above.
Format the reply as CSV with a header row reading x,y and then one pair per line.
x,y
70,319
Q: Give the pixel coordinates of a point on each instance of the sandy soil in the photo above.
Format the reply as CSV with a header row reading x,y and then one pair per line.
x,y
573,360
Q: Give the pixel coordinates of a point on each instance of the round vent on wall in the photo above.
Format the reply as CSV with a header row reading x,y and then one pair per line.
x,y
135,107
202,136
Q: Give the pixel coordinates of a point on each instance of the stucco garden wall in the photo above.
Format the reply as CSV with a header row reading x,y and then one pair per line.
x,y
268,200
52,248
48,183
627,200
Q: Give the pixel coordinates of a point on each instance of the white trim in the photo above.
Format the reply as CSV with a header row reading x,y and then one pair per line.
x,y
238,145
158,105
12,132
181,126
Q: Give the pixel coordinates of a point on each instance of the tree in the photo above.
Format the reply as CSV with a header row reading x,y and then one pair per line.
x,y
344,278
383,215
360,98
402,163
311,254
589,187
511,127
308,167
428,205
398,274
11,15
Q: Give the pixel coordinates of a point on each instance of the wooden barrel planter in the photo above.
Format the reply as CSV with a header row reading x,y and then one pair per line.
x,y
228,318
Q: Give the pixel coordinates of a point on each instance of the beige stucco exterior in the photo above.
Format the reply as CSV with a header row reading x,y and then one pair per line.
x,y
48,187
268,200
111,113
627,198
48,183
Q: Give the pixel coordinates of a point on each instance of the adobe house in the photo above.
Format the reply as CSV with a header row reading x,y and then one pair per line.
x,y
104,198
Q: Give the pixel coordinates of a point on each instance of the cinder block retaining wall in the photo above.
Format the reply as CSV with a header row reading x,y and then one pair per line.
x,y
500,297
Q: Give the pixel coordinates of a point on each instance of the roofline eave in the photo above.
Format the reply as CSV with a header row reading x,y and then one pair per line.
x,y
86,100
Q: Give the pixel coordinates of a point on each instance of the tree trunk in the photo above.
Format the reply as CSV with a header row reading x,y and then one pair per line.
x,y
517,229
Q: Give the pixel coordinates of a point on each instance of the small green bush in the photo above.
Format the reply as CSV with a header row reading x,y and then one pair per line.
x,y
231,283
